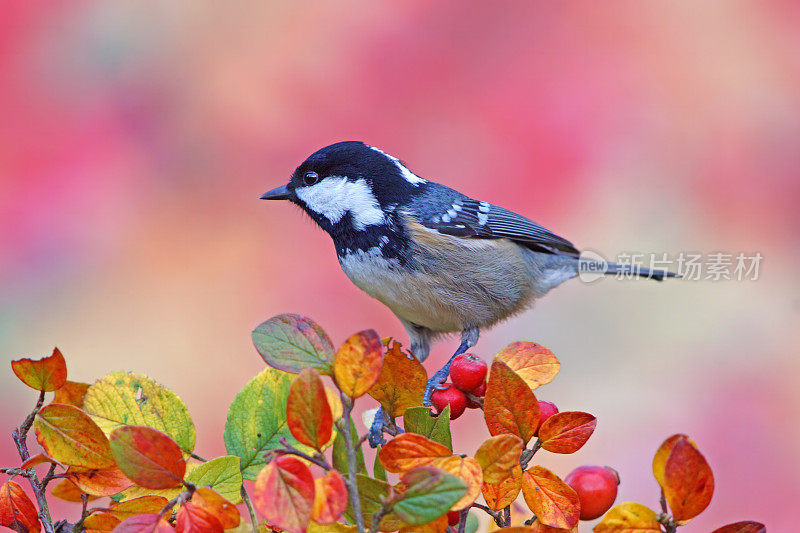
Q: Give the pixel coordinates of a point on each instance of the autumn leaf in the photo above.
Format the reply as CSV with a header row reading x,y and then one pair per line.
x,y
72,393
307,411
538,527
566,432
498,495
498,456
46,374
136,506
148,457
534,363
419,420
742,527
193,518
98,482
69,436
688,480
257,420
335,527
17,509
553,502
219,507
222,474
409,450
100,522
38,459
439,525
629,518
67,491
144,523
510,405
123,398
401,383
330,498
467,470
292,343
284,494
357,364
661,456
429,493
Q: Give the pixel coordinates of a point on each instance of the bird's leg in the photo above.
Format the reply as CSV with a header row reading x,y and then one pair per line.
x,y
469,337
376,429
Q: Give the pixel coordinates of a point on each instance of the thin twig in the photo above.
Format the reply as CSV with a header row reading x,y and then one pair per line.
x,y
49,476
250,510
351,482
317,459
84,513
377,517
195,456
507,516
498,517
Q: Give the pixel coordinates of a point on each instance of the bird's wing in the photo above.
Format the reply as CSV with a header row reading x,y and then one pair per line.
x,y
471,218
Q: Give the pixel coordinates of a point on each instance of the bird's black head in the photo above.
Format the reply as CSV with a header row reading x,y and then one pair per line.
x,y
349,186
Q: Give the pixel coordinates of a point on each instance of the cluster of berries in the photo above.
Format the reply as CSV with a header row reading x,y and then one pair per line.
x,y
596,485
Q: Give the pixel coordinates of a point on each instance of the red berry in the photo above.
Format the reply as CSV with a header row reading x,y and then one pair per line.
x,y
596,487
480,392
468,371
449,395
546,410
453,518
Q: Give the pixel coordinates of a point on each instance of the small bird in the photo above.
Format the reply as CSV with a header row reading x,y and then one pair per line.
x,y
441,261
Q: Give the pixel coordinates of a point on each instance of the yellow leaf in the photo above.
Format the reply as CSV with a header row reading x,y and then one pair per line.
x,y
629,517
533,362
401,383
358,363
466,469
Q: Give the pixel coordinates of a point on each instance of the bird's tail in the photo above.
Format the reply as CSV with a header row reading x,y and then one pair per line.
x,y
613,269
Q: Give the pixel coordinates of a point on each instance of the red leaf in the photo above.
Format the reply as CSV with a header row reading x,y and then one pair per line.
x,y
47,374
100,483
148,457
510,405
144,523
72,393
688,481
16,509
743,527
284,494
222,509
195,519
308,413
330,498
566,432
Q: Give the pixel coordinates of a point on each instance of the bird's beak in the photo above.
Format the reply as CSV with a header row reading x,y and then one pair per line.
x,y
278,193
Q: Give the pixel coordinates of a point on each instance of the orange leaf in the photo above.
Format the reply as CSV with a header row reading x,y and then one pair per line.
x,y
330,498
553,502
17,509
71,393
688,481
409,450
629,518
357,365
149,504
308,414
67,491
222,509
566,432
70,436
743,527
498,495
195,519
662,454
401,383
100,522
534,363
46,374
510,405
498,456
148,457
437,526
37,460
466,469
284,494
94,482
144,523
538,527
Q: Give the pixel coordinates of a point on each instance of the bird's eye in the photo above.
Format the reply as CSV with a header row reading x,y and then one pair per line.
x,y
311,178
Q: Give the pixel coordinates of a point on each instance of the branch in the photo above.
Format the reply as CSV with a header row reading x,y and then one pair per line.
x,y
84,506
377,517
318,459
250,510
507,516
351,481
498,517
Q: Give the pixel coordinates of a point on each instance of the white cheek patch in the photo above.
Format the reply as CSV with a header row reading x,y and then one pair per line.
x,y
334,196
407,174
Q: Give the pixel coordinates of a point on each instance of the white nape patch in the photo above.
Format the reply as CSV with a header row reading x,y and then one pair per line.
x,y
407,174
483,207
483,218
334,196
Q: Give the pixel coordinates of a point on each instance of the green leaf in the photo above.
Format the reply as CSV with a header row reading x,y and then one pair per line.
x,y
472,523
419,420
292,343
257,420
371,492
340,453
123,399
430,492
378,471
222,474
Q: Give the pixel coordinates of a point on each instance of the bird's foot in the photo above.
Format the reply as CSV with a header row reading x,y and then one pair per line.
x,y
436,382
376,429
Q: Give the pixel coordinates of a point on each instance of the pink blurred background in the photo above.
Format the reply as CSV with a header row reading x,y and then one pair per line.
x,y
136,138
